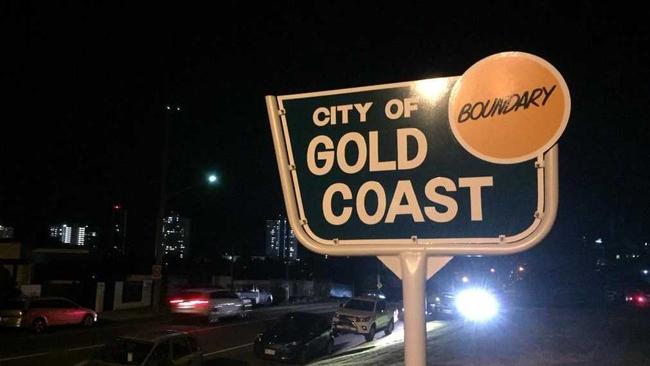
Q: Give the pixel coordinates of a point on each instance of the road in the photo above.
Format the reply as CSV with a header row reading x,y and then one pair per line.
x,y
519,336
229,340
523,337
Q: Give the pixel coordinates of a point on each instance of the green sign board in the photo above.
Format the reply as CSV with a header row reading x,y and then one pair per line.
x,y
377,169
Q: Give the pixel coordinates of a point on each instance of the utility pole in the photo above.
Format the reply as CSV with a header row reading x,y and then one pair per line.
x,y
158,247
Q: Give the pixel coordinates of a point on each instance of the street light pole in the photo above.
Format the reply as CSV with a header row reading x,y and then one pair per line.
x,y
158,249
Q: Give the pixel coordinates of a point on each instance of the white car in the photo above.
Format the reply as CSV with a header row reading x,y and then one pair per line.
x,y
214,304
364,315
256,295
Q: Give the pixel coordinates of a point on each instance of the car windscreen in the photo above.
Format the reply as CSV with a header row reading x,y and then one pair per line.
x,y
12,305
124,351
295,323
360,305
223,295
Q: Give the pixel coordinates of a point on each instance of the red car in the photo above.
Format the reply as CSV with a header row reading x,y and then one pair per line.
x,y
41,312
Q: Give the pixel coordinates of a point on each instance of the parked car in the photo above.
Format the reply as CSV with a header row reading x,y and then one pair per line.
x,y
214,304
296,337
159,348
256,295
38,313
364,315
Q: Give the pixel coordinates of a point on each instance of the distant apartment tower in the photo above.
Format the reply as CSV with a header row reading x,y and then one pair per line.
x,y
6,232
117,230
280,240
176,237
78,235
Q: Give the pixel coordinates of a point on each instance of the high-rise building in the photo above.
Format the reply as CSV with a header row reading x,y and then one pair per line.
x,y
78,235
176,237
281,242
6,232
117,230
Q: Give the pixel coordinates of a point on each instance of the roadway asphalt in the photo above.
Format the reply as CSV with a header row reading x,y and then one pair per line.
x,y
68,346
522,337
519,336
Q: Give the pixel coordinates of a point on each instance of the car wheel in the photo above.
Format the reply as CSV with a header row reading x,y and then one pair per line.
x,y
371,334
88,321
389,327
38,326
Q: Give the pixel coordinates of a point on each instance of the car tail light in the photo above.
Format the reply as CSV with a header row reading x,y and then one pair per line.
x,y
188,303
640,299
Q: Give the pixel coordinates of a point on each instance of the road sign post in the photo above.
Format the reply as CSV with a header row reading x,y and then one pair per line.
x,y
417,172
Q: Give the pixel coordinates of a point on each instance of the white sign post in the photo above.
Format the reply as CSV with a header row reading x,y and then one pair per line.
x,y
417,172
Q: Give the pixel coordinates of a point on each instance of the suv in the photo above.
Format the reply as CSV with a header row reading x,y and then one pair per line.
x,y
149,349
41,312
364,315
211,303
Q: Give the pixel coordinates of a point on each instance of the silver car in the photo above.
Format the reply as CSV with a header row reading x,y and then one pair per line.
x,y
214,304
149,349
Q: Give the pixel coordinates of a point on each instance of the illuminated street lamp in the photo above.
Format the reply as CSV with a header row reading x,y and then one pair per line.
x,y
213,178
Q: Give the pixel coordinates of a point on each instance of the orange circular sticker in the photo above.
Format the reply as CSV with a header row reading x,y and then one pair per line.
x,y
509,107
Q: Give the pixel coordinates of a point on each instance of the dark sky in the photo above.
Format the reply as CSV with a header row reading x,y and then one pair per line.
x,y
87,84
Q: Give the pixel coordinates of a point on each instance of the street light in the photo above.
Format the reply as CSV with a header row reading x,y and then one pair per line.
x,y
159,251
163,198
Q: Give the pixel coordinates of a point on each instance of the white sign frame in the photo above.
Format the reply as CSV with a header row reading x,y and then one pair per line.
x,y
542,219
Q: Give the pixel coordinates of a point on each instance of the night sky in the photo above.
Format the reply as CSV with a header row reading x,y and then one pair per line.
x,y
86,86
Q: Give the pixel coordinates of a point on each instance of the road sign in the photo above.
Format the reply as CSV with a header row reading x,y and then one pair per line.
x,y
378,170
156,272
435,167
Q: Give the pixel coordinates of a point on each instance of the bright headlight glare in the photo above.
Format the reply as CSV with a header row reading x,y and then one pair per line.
x,y
477,304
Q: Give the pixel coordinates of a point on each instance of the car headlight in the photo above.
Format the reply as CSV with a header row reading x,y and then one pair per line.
x,y
477,304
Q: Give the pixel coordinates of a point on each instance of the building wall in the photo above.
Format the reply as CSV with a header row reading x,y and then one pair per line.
x,y
144,301
10,250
